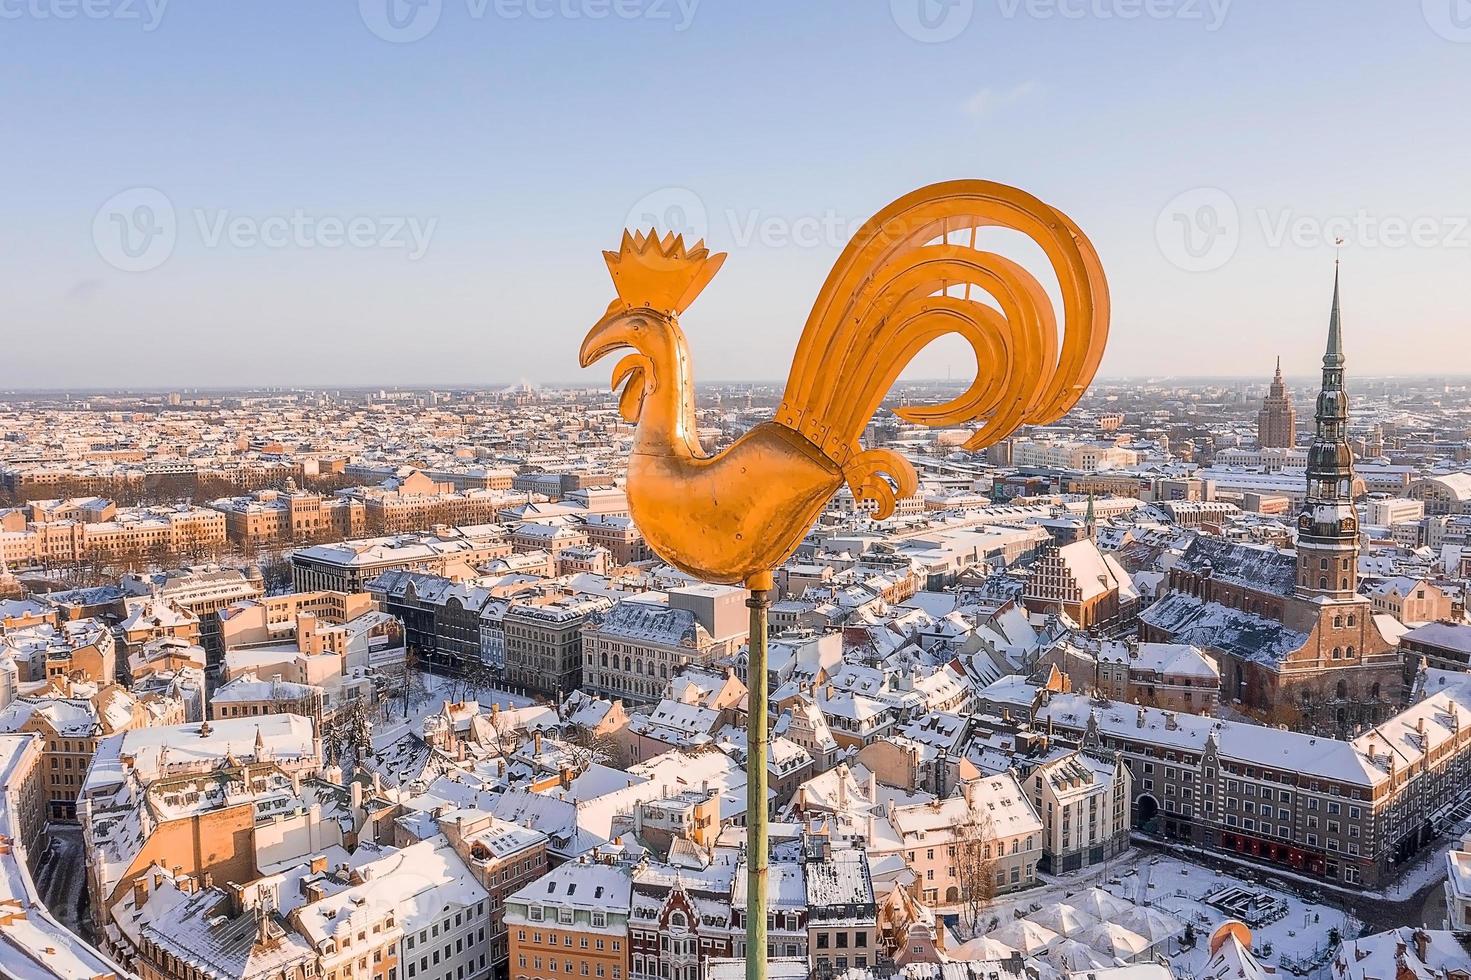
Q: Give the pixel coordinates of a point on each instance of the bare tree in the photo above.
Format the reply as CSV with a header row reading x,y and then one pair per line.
x,y
409,680
590,747
348,735
479,677
504,739
976,850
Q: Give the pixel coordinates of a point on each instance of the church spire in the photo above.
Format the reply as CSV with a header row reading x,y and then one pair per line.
x,y
1327,539
1333,356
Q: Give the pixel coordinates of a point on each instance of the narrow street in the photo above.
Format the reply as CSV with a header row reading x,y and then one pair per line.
x,y
61,878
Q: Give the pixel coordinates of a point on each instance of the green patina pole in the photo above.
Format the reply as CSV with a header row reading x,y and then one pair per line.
x,y
756,816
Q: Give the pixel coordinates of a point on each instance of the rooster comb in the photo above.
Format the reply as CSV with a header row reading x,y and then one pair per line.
x,y
660,274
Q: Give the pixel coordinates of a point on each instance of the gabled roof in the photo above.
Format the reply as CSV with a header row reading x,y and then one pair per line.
x,y
1258,568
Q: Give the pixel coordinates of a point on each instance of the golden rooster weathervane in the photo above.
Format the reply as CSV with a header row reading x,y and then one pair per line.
x,y
738,515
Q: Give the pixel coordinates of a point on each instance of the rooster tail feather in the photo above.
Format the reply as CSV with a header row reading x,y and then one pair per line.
x,y
882,476
893,291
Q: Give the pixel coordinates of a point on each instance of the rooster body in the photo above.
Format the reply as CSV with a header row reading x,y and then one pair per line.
x,y
732,515
736,516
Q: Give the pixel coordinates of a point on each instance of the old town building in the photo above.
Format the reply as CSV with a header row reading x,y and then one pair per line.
x,y
1351,811
634,649
572,922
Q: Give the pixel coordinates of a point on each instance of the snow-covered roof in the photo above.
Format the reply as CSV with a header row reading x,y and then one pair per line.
x,y
418,883
583,885
33,945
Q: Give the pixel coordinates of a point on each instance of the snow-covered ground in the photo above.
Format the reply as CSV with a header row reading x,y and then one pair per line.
x,y
1301,935
1427,868
394,724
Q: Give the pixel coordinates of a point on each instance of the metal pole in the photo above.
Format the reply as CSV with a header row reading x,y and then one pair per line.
x,y
756,816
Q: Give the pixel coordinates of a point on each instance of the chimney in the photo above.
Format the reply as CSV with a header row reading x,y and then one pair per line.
x,y
140,892
356,789
536,742
1422,941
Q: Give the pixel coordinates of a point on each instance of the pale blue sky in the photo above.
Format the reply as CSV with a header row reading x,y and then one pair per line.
x,y
490,160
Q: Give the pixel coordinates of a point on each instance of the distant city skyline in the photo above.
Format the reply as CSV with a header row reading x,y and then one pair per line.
x,y
316,195
1297,384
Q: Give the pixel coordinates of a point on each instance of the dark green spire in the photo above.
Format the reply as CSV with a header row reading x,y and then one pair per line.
x,y
1333,356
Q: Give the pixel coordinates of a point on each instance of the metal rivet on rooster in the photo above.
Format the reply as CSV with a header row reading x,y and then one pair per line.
x,y
900,283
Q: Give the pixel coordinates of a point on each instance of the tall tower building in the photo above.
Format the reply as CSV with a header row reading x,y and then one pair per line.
x,y
1327,529
1276,423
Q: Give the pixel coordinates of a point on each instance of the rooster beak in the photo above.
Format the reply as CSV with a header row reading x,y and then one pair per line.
x,y
607,335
